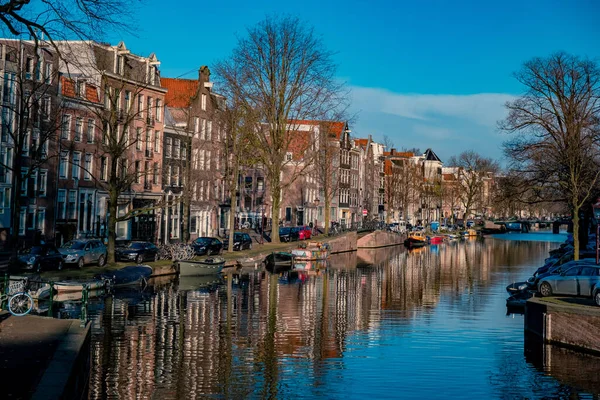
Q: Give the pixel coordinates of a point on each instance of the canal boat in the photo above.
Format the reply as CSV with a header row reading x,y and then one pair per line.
x,y
127,276
279,261
314,251
77,286
416,239
202,267
470,233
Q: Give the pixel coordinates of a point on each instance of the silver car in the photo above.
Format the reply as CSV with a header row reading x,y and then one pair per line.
x,y
582,280
81,252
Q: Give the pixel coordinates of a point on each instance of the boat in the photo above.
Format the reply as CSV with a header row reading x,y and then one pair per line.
x,y
126,276
518,301
470,233
75,296
77,286
436,239
206,266
453,236
416,239
313,251
279,261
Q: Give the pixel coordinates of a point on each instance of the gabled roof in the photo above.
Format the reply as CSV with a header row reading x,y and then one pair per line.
x,y
431,156
361,142
179,91
299,144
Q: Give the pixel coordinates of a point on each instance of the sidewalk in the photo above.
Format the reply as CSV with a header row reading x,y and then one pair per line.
x,y
29,346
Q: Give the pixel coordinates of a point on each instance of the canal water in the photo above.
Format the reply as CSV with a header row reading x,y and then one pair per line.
x,y
423,324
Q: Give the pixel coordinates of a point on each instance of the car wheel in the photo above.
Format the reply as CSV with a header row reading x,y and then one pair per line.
x,y
597,297
545,289
139,259
101,261
80,263
156,257
60,265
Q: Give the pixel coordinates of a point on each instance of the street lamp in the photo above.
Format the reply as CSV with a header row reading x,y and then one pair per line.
x,y
596,208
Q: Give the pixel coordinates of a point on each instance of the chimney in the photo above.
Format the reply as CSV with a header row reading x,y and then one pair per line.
x,y
204,74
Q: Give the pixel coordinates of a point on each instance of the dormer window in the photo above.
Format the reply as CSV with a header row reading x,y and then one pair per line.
x,y
120,64
79,88
288,156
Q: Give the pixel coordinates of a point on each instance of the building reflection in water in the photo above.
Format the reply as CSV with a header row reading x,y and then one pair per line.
x,y
253,335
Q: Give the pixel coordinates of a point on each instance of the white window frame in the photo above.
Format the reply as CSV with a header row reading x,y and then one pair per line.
x,y
89,166
76,166
43,182
65,127
203,102
61,213
78,129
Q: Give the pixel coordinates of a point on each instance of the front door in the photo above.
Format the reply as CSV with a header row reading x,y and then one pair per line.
x,y
300,215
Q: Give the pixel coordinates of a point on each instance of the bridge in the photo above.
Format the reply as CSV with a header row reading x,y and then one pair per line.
x,y
524,225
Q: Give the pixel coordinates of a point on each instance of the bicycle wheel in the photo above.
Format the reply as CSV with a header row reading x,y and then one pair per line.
x,y
20,304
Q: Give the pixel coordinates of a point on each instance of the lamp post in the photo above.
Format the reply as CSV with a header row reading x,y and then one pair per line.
x,y
596,208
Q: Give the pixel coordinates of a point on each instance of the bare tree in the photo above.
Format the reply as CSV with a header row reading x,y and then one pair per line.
x,y
64,19
558,122
282,72
326,167
472,170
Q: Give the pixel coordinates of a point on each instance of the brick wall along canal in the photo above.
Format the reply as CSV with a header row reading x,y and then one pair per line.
x,y
430,323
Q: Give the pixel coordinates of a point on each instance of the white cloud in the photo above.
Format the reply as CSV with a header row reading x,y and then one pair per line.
x,y
482,108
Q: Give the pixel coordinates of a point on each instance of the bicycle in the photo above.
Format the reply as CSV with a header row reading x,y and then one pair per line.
x,y
19,300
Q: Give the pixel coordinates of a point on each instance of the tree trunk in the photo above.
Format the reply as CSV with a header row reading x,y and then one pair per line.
x,y
327,214
186,217
233,197
276,194
112,223
575,232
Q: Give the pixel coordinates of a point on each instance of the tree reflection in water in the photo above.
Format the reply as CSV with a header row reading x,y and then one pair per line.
x,y
341,332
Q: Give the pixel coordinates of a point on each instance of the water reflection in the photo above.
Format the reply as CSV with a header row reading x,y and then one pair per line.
x,y
427,324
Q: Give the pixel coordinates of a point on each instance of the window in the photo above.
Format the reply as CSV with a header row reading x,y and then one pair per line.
x,y
62,203
5,197
288,156
138,173
120,64
24,182
176,175
126,136
22,220
48,73
203,131
158,109
168,177
208,130
203,102
78,129
141,106
76,165
63,172
572,271
103,168
46,107
26,139
589,271
288,214
183,151
87,174
149,140
138,139
107,99
72,205
91,126
207,159
176,148
149,107
155,174
157,141
29,68
43,182
202,159
260,183
127,101
168,147
65,129
196,125
41,219
192,224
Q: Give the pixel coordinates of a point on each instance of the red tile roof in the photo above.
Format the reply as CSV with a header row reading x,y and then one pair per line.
x,y
68,90
361,142
179,91
448,177
299,144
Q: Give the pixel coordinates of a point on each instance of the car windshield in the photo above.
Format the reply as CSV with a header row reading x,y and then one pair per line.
x,y
284,230
134,245
32,250
74,245
237,236
203,241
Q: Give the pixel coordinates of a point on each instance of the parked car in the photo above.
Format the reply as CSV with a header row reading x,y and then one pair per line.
x,y
207,246
285,234
305,232
85,251
38,258
581,280
298,233
138,252
241,241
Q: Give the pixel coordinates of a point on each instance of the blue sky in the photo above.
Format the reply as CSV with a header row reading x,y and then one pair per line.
x,y
425,73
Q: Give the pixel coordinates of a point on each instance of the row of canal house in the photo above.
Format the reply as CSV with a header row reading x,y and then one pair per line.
x,y
102,113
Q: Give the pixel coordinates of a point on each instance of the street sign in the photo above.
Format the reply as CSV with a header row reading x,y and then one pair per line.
x,y
365,212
